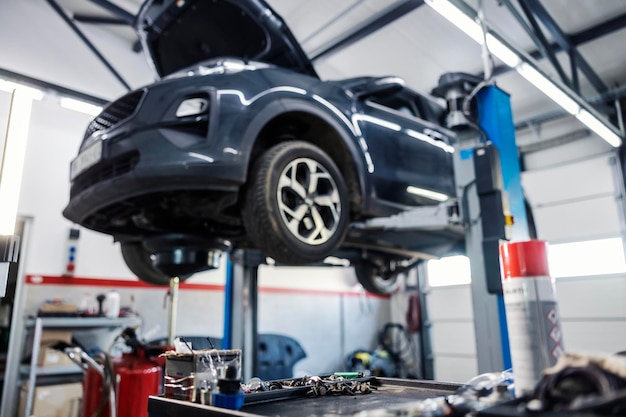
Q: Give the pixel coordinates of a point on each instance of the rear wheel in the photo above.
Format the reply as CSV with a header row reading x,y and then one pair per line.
x,y
382,278
296,208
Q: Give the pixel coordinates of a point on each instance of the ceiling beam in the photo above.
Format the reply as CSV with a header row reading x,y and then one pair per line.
x,y
597,31
565,44
370,26
540,39
44,85
55,6
577,39
99,20
117,11
544,144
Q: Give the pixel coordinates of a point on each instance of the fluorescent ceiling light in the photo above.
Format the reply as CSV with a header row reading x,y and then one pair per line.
x,y
9,87
13,158
472,29
599,128
458,18
80,106
433,195
547,87
502,52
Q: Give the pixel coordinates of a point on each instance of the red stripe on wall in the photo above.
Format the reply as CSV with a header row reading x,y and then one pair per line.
x,y
316,292
108,282
121,283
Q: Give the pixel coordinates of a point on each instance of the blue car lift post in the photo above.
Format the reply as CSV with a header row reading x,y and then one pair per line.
x,y
488,179
496,120
241,307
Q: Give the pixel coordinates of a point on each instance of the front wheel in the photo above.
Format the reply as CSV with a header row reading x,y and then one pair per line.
x,y
296,208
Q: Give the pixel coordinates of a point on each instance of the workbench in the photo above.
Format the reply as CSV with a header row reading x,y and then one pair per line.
x,y
390,393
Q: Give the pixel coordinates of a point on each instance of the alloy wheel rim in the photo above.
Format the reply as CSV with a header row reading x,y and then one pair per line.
x,y
308,201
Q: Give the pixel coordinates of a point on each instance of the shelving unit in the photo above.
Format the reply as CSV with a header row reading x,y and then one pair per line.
x,y
15,373
21,372
51,370
80,323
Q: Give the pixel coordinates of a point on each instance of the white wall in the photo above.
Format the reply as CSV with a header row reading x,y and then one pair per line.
x,y
452,333
593,320
575,191
572,191
324,309
593,313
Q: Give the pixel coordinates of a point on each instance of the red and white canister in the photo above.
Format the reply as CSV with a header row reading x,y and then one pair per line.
x,y
535,336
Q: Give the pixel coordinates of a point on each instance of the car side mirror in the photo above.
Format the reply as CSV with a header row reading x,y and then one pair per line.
x,y
379,87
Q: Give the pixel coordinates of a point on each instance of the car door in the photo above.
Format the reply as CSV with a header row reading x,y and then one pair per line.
x,y
408,151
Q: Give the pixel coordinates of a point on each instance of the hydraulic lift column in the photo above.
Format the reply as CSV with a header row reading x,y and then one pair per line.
x,y
241,308
486,172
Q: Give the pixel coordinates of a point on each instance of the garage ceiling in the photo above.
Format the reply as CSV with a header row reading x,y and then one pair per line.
x,y
404,38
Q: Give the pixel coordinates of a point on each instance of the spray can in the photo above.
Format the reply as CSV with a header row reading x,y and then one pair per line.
x,y
535,336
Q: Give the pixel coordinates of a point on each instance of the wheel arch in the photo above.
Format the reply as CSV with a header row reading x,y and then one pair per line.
x,y
293,119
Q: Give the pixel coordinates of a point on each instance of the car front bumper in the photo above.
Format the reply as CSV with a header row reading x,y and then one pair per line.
x,y
147,162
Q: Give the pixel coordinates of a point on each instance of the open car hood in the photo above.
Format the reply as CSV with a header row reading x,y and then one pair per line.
x,y
177,34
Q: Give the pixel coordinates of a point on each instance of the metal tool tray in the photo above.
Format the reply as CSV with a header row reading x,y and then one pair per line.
x,y
293,402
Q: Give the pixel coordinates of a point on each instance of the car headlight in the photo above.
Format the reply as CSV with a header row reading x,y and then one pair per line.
x,y
192,107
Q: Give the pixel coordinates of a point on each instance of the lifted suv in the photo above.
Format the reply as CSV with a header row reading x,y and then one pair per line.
x,y
240,144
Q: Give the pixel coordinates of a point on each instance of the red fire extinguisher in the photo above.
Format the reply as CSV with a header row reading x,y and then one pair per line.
x,y
120,387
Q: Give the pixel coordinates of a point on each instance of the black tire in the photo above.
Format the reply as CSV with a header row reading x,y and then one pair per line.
x,y
304,218
138,260
374,280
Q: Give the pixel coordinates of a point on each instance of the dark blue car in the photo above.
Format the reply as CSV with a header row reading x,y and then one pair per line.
x,y
239,144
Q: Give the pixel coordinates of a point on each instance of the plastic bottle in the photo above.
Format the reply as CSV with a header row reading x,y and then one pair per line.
x,y
535,335
87,304
112,304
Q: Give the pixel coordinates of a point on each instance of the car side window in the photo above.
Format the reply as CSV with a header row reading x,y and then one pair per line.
x,y
399,103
